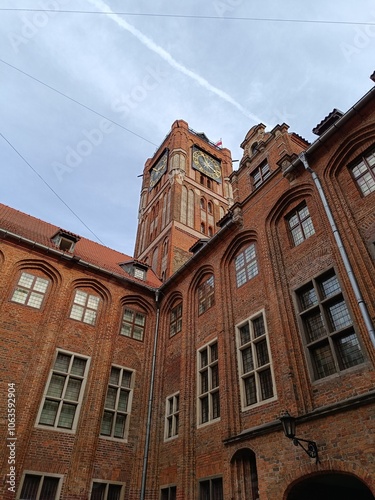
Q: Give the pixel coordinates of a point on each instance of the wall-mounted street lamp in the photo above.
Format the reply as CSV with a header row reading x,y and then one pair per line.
x,y
289,428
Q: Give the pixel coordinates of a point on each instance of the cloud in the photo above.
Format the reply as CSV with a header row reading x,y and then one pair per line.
x,y
150,44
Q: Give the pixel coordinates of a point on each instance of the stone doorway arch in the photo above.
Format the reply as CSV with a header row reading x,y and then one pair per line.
x,y
330,485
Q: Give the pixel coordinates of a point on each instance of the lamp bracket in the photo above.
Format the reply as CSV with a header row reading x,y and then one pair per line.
x,y
311,449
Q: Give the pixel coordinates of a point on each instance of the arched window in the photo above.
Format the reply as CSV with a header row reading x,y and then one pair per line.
x,y
175,322
203,204
246,265
206,294
210,207
203,228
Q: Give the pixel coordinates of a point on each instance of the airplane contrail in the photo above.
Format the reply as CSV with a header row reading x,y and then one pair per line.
x,y
149,43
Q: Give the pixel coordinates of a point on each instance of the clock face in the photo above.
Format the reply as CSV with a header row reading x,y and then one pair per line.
x,y
206,164
158,169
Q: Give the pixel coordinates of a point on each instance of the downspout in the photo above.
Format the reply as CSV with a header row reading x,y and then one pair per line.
x,y
349,270
150,399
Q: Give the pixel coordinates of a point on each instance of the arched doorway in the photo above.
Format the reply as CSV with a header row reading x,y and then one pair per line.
x,y
329,486
244,475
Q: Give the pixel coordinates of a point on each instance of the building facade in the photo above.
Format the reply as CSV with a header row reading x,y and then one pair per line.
x,y
164,376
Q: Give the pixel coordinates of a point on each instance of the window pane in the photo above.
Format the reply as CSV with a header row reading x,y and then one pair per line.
x,y
323,361
56,386
215,376
19,296
258,326
115,374
330,286
114,492
98,491
349,351
213,351
89,317
93,302
80,298
62,362
78,367
30,487
215,405
250,390
139,319
308,228
41,285
73,389
120,426
76,312
49,488
26,280
262,353
204,381
204,409
247,360
245,334
67,416
217,489
123,400
138,333
297,235
49,412
106,423
204,490
265,379
339,316
308,298
126,330
314,326
126,379
204,357
35,300
110,401
128,315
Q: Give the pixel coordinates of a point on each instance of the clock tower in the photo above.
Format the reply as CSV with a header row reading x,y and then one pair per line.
x,y
185,192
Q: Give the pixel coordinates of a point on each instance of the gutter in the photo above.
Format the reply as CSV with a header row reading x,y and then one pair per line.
x,y
73,258
150,400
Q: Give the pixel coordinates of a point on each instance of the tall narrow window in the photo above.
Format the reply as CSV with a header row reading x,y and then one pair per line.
x,y
331,342
206,295
40,487
117,407
211,489
208,384
101,490
175,324
246,265
260,174
30,290
172,411
254,360
133,324
300,224
85,307
63,397
364,173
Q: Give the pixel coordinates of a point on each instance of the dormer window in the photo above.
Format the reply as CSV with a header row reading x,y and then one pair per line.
x,y
260,174
136,269
65,241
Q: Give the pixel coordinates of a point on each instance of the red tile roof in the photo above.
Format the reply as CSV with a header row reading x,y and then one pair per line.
x,y
41,232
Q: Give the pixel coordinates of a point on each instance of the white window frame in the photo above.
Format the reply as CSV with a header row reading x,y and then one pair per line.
x,y
108,483
172,413
115,410
42,475
134,326
86,308
30,291
61,400
210,393
256,369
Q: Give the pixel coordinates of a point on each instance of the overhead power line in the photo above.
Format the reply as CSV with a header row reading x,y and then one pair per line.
x,y
196,16
50,187
77,102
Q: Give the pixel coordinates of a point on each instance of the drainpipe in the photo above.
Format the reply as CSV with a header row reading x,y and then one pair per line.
x,y
150,400
361,303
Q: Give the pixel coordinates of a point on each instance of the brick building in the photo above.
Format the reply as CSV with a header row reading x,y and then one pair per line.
x,y
128,386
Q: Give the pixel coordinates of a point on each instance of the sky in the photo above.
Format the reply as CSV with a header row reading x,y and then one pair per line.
x,y
86,97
